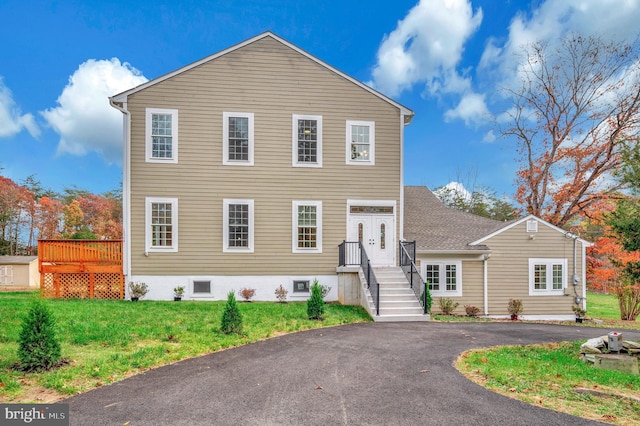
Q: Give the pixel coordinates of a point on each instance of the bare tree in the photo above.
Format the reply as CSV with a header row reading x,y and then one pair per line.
x,y
577,103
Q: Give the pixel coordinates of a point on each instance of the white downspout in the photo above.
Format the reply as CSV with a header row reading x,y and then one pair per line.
x,y
126,188
401,207
584,276
485,264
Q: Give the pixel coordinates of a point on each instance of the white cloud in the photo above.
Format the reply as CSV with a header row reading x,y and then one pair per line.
x,y
426,47
12,121
472,109
489,137
613,19
83,118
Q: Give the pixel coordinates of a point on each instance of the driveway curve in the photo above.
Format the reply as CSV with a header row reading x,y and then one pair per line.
x,y
358,374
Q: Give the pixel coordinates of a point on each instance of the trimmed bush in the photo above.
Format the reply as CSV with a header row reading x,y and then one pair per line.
x,y
447,306
472,311
231,317
38,348
315,304
429,299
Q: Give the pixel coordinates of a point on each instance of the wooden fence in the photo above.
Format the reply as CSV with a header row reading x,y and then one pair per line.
x,y
81,269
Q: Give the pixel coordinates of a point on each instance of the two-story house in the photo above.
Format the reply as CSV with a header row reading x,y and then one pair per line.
x,y
248,168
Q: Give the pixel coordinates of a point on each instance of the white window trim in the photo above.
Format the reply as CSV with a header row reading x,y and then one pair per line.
x,y
225,139
443,292
225,226
174,135
294,137
549,263
174,225
372,143
294,226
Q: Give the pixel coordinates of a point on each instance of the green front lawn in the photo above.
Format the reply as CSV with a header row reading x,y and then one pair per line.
x,y
105,341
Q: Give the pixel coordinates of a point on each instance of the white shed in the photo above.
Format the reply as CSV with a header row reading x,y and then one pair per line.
x,y
19,271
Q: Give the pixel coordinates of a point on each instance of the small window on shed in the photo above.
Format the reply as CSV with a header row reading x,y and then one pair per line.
x,y
201,287
532,226
301,286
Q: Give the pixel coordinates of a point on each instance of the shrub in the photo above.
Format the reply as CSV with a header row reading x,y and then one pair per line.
x,y
178,291
429,300
514,308
138,289
38,348
315,304
447,306
628,299
247,293
281,294
472,311
231,317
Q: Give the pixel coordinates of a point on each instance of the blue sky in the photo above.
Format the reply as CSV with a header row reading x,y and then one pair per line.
x,y
444,59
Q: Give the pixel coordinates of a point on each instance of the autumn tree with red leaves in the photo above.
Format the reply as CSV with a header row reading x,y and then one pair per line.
x,y
577,103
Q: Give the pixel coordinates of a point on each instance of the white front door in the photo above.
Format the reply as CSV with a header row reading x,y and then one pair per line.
x,y
377,233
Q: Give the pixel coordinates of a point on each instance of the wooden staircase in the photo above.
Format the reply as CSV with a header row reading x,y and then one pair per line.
x,y
398,301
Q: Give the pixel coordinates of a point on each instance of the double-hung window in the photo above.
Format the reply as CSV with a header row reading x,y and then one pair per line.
x,y
444,278
547,276
307,141
161,135
161,218
307,227
238,226
361,137
237,134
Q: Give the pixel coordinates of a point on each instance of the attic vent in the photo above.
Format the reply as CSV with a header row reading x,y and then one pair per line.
x,y
532,226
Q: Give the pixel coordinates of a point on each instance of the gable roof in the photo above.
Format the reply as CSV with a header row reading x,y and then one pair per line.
x,y
438,228
530,217
122,97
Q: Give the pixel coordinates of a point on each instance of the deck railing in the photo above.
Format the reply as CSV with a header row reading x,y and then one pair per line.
x,y
80,251
81,269
407,256
353,254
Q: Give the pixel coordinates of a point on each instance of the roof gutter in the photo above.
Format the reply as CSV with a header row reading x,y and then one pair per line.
x,y
121,105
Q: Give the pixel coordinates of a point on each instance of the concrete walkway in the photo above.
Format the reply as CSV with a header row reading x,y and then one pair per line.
x,y
360,374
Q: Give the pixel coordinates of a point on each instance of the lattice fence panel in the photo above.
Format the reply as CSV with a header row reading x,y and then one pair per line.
x,y
108,286
78,285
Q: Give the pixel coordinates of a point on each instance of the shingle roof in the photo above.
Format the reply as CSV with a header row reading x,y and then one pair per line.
x,y
436,227
17,260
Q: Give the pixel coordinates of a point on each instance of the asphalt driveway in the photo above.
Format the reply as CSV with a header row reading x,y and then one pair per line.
x,y
360,374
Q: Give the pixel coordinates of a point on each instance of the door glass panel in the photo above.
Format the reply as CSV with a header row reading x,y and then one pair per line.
x,y
360,231
382,236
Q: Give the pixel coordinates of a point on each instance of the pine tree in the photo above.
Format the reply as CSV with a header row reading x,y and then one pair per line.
x,y
231,317
315,304
38,348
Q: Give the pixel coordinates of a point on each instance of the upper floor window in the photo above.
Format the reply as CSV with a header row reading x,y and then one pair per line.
x,y
307,226
162,135
547,276
238,225
237,142
361,142
161,217
307,140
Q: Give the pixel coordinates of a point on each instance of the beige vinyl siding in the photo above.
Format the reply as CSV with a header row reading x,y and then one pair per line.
x,y
472,284
508,270
273,82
